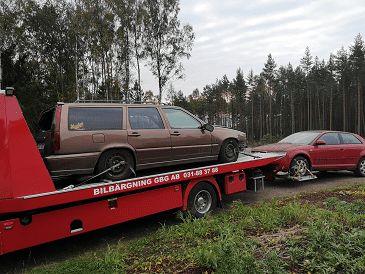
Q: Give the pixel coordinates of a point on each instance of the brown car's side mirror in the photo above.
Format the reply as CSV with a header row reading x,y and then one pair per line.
x,y
320,143
208,127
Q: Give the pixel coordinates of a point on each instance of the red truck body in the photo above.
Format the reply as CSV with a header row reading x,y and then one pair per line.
x,y
33,211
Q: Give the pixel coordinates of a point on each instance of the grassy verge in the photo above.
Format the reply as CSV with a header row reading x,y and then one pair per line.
x,y
295,235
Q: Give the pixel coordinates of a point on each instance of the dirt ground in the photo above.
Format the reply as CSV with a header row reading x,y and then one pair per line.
x,y
70,247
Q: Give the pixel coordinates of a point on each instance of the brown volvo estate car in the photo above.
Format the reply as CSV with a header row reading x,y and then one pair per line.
x,y
86,138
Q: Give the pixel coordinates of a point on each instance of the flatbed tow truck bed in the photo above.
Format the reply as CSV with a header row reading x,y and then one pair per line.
x,y
34,211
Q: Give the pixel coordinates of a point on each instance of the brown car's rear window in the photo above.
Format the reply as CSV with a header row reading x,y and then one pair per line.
x,y
144,118
94,118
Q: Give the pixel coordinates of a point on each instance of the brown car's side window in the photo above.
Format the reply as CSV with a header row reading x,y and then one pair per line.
x,y
94,118
349,139
179,119
144,118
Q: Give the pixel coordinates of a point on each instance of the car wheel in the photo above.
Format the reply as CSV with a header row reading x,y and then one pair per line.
x,y
229,151
360,169
202,199
111,158
299,166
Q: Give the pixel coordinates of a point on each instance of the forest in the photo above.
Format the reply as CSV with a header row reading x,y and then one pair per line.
x,y
94,49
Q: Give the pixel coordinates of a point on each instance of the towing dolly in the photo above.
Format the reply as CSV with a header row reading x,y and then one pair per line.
x,y
33,211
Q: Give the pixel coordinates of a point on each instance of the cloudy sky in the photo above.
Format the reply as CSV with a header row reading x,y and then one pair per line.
x,y
232,34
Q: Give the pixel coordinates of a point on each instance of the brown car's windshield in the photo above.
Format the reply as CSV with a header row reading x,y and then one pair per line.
x,y
304,138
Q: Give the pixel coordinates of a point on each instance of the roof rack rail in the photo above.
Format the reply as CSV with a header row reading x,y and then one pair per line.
x,y
118,102
102,101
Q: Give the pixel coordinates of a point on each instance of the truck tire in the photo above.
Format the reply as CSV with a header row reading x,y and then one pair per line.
x,y
111,158
360,169
299,166
229,151
202,199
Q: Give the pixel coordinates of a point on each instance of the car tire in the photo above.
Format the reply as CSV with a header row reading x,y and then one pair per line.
x,y
299,166
229,151
202,199
113,157
360,169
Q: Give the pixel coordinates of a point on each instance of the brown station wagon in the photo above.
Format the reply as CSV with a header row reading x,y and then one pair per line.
x,y
86,138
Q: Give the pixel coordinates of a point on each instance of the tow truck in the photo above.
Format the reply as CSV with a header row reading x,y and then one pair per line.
x,y
34,209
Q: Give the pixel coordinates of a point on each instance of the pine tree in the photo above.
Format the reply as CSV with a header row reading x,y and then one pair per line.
x,y
269,76
306,63
357,62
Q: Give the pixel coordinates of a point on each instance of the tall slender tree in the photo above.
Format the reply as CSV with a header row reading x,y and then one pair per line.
x,y
251,84
240,89
357,62
165,42
331,69
306,63
343,73
269,76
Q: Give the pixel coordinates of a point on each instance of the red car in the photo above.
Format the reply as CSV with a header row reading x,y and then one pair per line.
x,y
319,150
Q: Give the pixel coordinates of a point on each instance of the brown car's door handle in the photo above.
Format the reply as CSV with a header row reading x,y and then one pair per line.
x,y
176,133
135,134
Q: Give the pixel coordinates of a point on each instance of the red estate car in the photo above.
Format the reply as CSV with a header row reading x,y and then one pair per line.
x,y
319,150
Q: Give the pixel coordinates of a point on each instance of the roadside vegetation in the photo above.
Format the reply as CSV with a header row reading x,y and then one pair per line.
x,y
320,232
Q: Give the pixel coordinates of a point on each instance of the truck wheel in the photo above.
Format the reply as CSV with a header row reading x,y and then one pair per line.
x,y
111,158
202,199
229,151
360,169
299,166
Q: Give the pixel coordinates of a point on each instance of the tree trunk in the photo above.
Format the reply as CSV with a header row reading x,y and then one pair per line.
x,y
319,110
344,106
331,109
270,114
261,120
309,127
359,107
292,112
252,129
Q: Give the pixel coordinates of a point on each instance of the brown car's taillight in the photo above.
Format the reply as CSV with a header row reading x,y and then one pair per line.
x,y
55,141
55,130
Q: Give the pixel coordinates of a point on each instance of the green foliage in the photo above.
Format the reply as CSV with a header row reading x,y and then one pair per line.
x,y
275,236
60,50
269,139
93,49
111,262
165,42
224,255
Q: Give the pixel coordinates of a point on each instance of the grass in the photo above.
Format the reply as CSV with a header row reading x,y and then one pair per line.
x,y
276,236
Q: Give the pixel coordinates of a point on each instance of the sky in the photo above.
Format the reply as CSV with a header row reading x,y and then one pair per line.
x,y
233,34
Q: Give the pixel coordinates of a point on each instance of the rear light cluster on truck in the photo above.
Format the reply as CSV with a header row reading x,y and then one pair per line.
x,y
9,91
55,130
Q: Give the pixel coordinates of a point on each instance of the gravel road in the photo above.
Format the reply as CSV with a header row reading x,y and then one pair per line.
x,y
70,247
